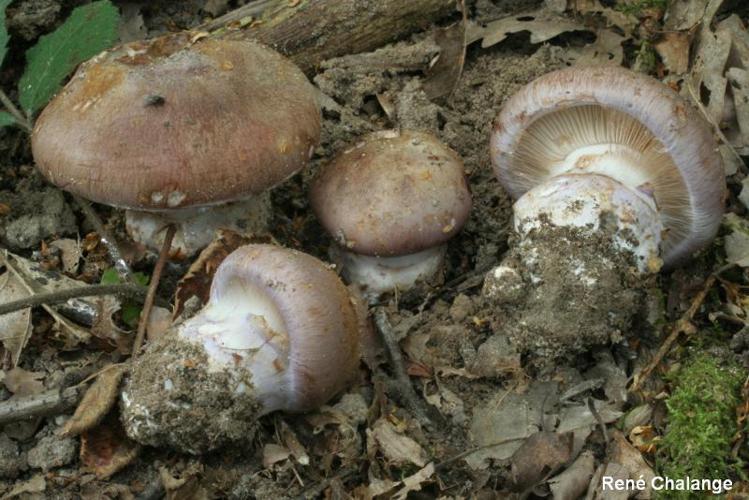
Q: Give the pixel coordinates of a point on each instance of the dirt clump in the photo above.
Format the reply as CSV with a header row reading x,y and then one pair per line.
x,y
562,290
172,398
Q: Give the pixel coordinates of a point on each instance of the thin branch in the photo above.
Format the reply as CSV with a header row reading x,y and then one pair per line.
x,y
22,121
152,286
52,402
126,274
402,381
72,293
682,325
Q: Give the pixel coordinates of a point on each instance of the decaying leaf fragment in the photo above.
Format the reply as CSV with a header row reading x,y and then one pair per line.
x,y
15,327
442,77
106,449
97,402
398,449
197,280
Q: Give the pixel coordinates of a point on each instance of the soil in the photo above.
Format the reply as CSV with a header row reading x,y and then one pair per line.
x,y
476,363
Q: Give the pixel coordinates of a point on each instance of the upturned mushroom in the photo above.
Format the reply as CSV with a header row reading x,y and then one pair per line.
x,y
279,332
181,129
391,202
614,175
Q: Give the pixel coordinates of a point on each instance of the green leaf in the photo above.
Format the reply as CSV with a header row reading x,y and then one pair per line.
x,y
3,30
131,314
6,119
89,30
111,277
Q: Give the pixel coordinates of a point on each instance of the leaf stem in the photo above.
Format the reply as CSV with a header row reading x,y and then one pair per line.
x,y
22,121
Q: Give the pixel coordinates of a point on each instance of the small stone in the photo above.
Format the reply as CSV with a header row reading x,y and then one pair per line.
x,y
11,461
52,452
496,358
462,307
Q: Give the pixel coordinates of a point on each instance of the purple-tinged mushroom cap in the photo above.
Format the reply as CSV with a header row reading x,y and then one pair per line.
x,y
612,121
178,121
393,193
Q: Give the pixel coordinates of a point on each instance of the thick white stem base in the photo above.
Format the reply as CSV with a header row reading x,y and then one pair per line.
x,y
196,227
589,201
378,275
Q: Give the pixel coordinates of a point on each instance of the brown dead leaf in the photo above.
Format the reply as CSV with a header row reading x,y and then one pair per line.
x,y
607,49
97,402
105,328
37,484
274,453
186,486
15,327
622,452
23,383
538,457
292,443
70,253
707,75
573,482
442,77
542,24
414,482
159,322
106,449
396,448
673,47
35,280
644,438
197,281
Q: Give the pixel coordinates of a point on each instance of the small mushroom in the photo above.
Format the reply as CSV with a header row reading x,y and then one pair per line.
x,y
180,129
586,140
615,175
391,202
279,332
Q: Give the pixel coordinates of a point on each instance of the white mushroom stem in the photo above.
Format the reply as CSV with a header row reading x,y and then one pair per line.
x,y
377,275
587,202
196,227
245,328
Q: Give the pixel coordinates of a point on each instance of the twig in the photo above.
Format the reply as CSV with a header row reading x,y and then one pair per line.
x,y
597,416
473,450
22,121
72,293
39,405
126,274
682,325
402,381
152,286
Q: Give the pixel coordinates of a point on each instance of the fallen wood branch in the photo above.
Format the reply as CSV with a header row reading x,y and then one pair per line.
x,y
311,31
52,402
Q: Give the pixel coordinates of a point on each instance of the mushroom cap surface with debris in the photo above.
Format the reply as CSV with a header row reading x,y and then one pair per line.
x,y
629,126
393,193
178,121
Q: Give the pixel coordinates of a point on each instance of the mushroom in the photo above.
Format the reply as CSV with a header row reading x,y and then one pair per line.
x,y
615,175
654,152
180,129
391,202
279,332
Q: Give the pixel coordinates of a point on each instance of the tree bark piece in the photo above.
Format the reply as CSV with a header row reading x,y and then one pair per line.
x,y
311,31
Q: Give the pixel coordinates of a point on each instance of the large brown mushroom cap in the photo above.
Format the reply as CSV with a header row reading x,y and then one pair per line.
x,y
178,121
662,143
317,313
394,193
